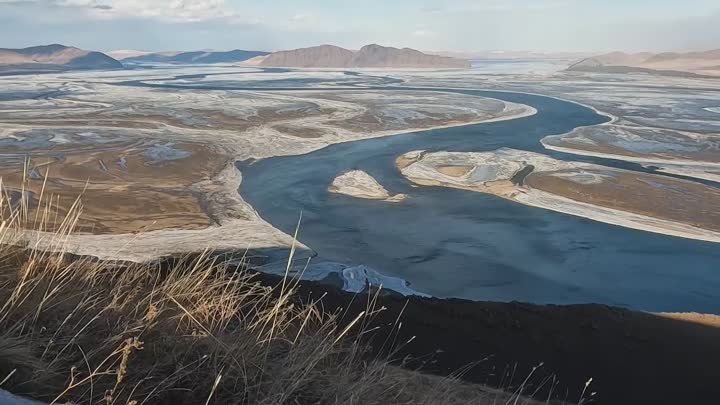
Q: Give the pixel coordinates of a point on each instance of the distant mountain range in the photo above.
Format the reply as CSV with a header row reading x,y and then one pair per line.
x,y
54,58
194,57
514,55
60,58
706,63
369,56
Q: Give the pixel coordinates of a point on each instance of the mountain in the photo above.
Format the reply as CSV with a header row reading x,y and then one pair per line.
x,y
380,56
369,56
121,54
195,57
55,57
705,63
316,56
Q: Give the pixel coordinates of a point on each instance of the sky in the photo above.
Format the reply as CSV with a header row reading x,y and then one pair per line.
x,y
431,25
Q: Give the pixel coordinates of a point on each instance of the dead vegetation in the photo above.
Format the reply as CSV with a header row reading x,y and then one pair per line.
x,y
202,331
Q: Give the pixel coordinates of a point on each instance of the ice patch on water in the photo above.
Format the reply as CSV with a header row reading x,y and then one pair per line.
x,y
358,278
355,279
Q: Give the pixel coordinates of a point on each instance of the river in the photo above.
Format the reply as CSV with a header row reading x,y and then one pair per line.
x,y
460,244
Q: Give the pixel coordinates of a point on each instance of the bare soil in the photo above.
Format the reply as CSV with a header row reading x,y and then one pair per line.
x,y
454,171
651,195
138,195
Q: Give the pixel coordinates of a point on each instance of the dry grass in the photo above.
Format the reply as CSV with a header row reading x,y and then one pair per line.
x,y
77,330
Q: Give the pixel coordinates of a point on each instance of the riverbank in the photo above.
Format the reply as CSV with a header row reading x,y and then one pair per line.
x,y
688,168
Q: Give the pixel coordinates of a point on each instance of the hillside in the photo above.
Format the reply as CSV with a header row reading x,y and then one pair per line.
x,y
369,56
705,63
187,331
195,57
316,56
55,57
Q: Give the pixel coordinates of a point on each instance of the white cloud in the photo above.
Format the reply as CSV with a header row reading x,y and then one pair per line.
x,y
302,17
465,25
467,6
166,10
422,33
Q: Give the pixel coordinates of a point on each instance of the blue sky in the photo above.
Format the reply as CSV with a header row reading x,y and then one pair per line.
x,y
452,25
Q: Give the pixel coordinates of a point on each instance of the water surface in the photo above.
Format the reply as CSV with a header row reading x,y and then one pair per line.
x,y
455,243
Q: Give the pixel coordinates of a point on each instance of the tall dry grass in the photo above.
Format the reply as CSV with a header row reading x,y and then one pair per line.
x,y
84,331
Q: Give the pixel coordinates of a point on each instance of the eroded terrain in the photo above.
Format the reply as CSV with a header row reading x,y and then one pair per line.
x,y
669,123
154,166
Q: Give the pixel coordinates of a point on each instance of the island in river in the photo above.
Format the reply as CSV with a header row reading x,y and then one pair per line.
x,y
359,184
642,201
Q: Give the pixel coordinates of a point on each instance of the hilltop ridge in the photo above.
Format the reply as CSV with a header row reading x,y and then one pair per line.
x,y
55,57
369,56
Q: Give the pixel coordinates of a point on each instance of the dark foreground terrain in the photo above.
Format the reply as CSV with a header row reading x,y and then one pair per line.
x,y
631,357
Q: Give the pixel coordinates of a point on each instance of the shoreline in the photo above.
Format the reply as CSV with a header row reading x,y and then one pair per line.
x,y
505,186
154,245
667,166
524,112
612,118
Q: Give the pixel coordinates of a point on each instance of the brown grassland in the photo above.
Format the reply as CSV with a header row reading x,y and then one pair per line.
x,y
202,331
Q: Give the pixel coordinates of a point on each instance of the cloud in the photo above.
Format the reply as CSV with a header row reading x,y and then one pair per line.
x,y
423,33
514,6
467,25
164,10
302,17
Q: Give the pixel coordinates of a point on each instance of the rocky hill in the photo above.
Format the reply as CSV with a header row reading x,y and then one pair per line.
x,y
55,57
316,56
369,56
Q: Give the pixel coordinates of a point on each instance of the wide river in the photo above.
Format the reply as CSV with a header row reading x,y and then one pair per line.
x,y
455,243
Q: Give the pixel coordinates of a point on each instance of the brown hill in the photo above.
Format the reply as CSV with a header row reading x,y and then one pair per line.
x,y
705,63
329,56
380,56
55,57
316,56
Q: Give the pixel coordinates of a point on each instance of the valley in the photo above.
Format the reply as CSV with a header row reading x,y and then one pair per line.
x,y
178,159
